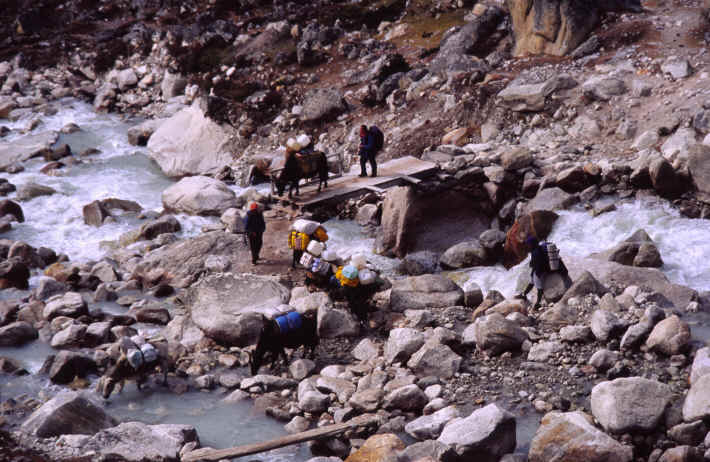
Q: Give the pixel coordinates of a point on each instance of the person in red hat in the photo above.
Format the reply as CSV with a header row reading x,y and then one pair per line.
x,y
254,226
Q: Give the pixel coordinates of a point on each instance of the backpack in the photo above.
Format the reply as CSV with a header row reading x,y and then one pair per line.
x,y
553,255
379,138
298,241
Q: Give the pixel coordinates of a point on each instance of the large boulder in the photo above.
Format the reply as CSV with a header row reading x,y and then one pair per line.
x,y
139,442
464,255
456,51
335,322
530,97
67,365
17,334
321,102
495,334
402,343
179,264
551,199
409,398
189,143
229,308
396,211
14,273
68,413
70,304
557,28
630,404
485,435
670,336
434,359
699,167
424,292
697,402
199,195
12,208
572,436
430,426
701,364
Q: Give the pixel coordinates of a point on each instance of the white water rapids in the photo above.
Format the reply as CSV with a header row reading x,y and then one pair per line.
x,y
124,171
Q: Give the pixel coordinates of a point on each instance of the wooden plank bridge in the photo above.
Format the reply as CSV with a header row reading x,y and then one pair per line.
x,y
208,454
343,186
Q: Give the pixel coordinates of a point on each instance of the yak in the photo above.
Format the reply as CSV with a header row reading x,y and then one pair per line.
x,y
299,166
276,335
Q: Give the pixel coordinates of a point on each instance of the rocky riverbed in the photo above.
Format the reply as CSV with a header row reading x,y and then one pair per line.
x,y
529,109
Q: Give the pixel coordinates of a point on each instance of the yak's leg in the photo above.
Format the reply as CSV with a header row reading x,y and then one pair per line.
x,y
120,385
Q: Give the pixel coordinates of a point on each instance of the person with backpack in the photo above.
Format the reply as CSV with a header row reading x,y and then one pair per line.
x,y
540,267
371,141
254,227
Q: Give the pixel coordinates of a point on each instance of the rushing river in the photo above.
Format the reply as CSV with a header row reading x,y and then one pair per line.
x,y
124,171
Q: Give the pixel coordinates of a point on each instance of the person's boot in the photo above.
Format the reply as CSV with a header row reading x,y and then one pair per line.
x,y
374,170
363,169
539,299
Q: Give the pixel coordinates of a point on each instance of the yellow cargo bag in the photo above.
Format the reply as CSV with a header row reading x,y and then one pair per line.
x,y
320,234
298,241
345,281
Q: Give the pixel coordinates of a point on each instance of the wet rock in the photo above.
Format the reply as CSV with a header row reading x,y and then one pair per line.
x,y
105,271
8,207
572,436
418,263
95,213
367,214
495,334
429,427
267,382
334,322
434,359
189,143
8,311
463,255
70,304
25,148
152,315
551,199
141,133
136,442
697,401
670,336
72,335
485,435
31,190
97,333
630,404
664,178
228,307
68,413
516,158
313,401
199,195
409,398
14,273
424,292
573,179
163,225
378,448
68,364
17,334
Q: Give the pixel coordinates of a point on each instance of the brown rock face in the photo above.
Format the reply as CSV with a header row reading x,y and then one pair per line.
x,y
537,223
377,448
557,27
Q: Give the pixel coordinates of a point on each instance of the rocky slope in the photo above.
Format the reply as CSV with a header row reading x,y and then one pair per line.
x,y
616,105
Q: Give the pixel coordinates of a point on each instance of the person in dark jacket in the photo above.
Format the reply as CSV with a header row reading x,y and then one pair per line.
x,y
367,151
539,268
254,226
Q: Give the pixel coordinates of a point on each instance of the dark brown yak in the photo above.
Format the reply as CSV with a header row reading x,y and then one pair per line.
x,y
299,166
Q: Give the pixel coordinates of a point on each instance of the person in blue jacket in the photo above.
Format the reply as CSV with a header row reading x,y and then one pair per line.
x,y
367,151
254,226
539,268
